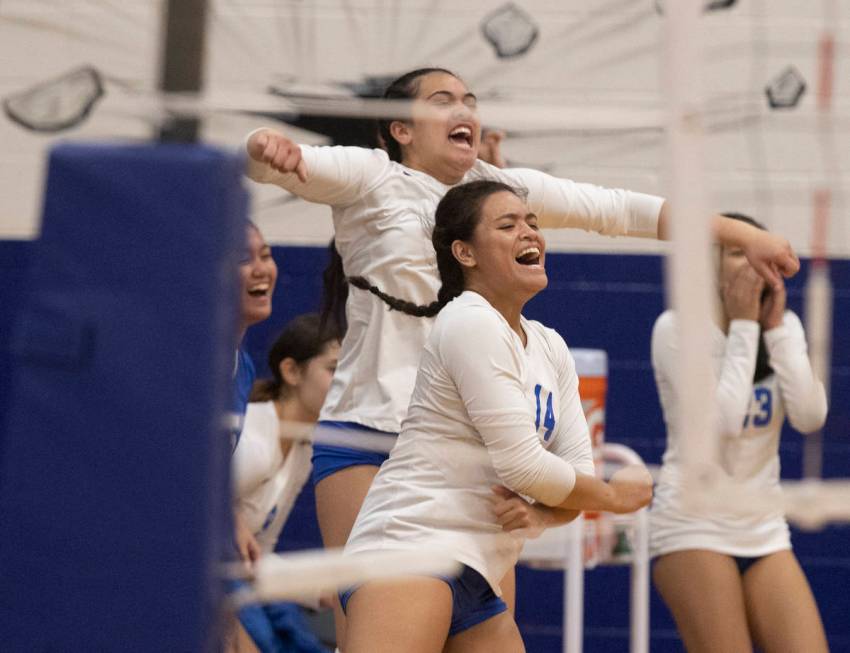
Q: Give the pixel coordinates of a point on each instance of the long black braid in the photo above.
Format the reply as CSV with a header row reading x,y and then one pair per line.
x,y
456,217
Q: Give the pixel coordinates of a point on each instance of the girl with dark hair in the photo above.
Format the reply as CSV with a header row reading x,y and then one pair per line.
x,y
383,214
730,579
257,277
495,414
270,470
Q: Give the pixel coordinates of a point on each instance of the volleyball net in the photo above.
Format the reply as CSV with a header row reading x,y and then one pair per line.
x,y
716,105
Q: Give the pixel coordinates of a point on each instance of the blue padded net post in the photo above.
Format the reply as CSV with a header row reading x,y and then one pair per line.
x,y
114,479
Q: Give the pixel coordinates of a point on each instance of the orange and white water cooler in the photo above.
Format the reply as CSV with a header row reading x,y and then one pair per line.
x,y
592,370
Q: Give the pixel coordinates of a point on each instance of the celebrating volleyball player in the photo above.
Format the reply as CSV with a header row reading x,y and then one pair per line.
x,y
257,277
495,405
383,213
730,578
269,471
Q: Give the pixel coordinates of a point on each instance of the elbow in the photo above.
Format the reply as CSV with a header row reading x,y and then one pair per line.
x,y
808,422
809,416
528,483
516,480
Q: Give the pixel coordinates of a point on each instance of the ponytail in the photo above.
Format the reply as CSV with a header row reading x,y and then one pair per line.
x,y
301,340
334,294
409,308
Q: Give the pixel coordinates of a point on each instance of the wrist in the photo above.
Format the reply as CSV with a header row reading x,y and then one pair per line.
x,y
545,514
771,324
732,233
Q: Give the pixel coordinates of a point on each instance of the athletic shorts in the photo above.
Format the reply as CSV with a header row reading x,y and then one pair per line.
x,y
329,459
473,600
745,562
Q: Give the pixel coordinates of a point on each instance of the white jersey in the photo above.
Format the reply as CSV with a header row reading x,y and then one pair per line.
x,y
751,419
485,411
266,483
383,215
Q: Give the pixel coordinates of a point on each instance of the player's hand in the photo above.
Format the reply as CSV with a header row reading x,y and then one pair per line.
x,y
742,294
771,256
632,486
773,308
246,543
490,148
514,513
278,152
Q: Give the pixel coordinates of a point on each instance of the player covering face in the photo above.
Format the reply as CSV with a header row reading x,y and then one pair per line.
x,y
729,575
495,416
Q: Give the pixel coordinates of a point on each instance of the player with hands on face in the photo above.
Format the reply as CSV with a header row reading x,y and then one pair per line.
x,y
729,576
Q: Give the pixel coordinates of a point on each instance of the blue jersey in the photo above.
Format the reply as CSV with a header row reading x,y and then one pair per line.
x,y
243,379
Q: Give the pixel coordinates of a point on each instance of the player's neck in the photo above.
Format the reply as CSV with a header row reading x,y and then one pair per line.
x,y
444,174
506,304
289,409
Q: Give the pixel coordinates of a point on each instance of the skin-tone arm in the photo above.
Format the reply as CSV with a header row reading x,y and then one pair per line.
x,y
515,513
247,546
629,489
769,254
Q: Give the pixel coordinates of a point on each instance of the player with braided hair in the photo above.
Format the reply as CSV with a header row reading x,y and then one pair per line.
x,y
383,214
495,414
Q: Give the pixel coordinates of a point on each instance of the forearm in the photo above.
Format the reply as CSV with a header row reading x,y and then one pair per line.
x,y
723,230
589,493
553,516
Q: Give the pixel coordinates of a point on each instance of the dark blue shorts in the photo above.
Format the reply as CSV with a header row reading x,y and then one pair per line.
x,y
473,600
745,562
279,628
329,459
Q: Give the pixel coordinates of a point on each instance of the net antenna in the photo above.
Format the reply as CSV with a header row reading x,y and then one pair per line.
x,y
818,291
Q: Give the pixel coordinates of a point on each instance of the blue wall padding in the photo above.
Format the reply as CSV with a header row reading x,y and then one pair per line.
x,y
594,300
611,302
114,460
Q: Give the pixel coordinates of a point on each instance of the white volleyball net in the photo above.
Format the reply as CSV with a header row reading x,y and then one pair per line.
x,y
743,109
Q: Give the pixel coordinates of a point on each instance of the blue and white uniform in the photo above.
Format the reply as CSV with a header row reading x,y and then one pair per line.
x,y
266,482
244,374
266,485
751,417
383,215
485,411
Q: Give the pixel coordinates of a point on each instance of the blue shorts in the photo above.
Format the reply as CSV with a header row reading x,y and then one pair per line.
x,y
329,459
745,562
473,600
279,628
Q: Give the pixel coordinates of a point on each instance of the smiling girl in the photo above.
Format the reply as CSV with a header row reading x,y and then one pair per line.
x,y
495,414
383,215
